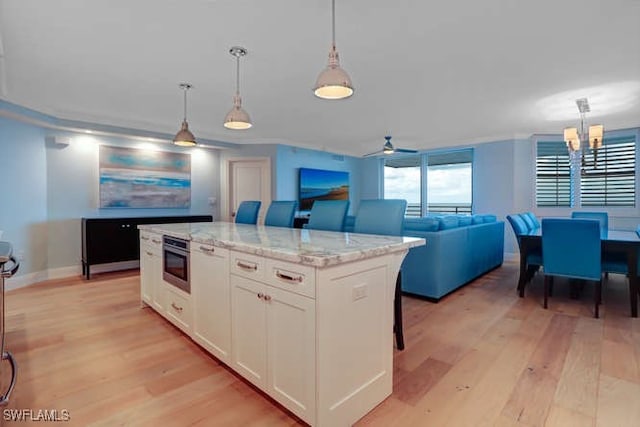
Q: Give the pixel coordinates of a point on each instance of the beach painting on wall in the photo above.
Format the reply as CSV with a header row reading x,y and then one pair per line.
x,y
318,184
136,178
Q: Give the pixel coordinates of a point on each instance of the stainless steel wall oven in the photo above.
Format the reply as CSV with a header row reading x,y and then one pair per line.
x,y
175,262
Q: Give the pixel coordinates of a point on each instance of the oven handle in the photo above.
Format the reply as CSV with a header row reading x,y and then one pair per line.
x,y
4,399
13,270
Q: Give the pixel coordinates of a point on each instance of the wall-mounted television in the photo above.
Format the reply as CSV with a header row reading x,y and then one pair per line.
x,y
318,184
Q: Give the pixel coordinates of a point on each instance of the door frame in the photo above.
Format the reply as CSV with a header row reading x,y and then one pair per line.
x,y
225,180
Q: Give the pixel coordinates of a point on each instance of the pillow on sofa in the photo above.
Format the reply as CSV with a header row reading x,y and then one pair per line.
x,y
489,218
465,220
477,219
448,222
421,224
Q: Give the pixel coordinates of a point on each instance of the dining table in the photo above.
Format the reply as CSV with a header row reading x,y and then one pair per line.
x,y
619,244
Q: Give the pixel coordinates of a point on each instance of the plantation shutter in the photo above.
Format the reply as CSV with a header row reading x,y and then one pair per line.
x,y
612,180
553,174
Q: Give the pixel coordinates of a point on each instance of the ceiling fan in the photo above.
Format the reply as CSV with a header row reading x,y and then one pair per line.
x,y
388,148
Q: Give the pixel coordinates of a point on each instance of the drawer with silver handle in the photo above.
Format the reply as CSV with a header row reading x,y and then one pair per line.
x,y
178,309
246,265
152,239
291,277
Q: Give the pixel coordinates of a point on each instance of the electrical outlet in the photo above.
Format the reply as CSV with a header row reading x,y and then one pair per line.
x,y
359,292
212,201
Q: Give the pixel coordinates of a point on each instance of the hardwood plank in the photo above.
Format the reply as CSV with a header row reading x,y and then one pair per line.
x,y
482,356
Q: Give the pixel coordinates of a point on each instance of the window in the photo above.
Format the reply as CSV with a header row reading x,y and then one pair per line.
x,y
449,182
402,180
553,174
612,180
562,180
446,186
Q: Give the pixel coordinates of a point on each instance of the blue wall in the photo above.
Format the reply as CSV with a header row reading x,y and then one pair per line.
x,y
53,186
290,159
23,208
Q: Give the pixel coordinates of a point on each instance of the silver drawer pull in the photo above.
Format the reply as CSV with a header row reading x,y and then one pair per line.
x,y
267,297
144,238
156,241
260,295
176,308
207,250
297,279
149,253
252,267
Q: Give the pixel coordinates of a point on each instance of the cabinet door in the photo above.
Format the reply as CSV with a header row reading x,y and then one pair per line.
x,y
211,299
148,274
248,330
291,351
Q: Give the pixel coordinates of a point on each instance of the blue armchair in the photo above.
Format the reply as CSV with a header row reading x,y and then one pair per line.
x,y
571,248
281,213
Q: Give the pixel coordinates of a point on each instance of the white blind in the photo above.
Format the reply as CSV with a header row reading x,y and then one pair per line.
x,y
553,174
612,180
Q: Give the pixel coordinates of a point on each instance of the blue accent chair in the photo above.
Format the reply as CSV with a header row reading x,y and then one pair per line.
x,y
248,212
603,217
328,215
571,248
385,217
534,257
281,213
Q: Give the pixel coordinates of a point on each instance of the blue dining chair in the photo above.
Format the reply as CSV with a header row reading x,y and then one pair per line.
x,y
603,217
328,215
281,213
532,219
534,257
248,212
385,217
571,248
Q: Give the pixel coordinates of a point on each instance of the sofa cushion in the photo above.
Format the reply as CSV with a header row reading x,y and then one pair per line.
x,y
465,220
448,222
488,218
421,224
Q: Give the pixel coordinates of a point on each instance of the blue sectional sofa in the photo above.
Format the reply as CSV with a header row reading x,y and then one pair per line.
x,y
459,249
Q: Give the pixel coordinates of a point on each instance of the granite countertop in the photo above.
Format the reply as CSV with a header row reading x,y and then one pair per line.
x,y
310,247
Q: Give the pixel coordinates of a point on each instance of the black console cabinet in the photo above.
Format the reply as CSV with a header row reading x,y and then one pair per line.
x,y
116,239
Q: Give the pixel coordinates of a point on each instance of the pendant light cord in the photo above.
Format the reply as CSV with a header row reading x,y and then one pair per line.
x,y
185,103
238,75
333,23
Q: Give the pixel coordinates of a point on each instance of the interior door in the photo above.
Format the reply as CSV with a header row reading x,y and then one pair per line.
x,y
248,179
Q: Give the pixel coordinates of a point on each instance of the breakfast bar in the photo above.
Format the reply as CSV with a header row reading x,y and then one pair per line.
x,y
304,315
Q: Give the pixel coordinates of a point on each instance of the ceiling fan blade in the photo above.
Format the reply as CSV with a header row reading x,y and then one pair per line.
x,y
373,154
405,150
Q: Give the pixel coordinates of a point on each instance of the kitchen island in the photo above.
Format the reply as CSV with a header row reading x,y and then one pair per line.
x,y
304,315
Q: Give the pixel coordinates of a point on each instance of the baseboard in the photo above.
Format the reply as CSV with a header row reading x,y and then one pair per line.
x,y
28,279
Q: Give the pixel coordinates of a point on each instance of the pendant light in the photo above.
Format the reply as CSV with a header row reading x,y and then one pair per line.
x,y
184,137
237,118
333,82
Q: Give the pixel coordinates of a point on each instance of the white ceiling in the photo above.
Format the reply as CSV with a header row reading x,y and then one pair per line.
x,y
431,73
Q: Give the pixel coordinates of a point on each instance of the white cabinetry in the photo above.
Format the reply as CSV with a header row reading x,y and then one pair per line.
x,y
274,340
151,289
211,299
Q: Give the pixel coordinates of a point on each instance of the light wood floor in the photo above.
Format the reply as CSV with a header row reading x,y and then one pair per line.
x,y
482,356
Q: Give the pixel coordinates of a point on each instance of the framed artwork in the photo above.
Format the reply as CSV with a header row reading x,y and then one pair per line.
x,y
318,184
134,178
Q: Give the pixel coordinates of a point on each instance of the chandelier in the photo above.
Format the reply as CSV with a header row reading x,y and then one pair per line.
x,y
578,141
